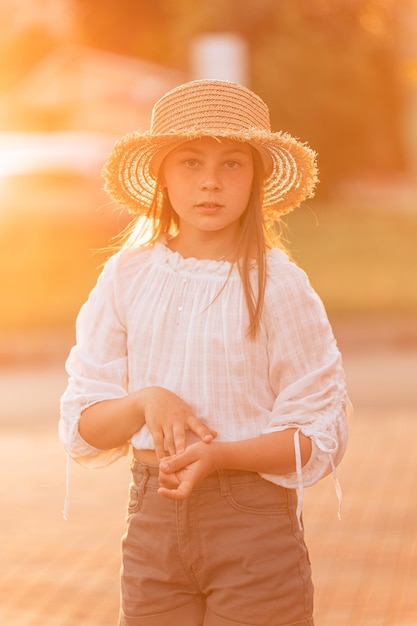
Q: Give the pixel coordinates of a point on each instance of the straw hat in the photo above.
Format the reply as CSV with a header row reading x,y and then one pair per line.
x,y
212,108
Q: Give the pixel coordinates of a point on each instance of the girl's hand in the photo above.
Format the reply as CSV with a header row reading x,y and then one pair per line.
x,y
178,475
169,418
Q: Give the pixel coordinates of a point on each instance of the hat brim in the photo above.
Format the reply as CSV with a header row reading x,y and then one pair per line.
x,y
132,167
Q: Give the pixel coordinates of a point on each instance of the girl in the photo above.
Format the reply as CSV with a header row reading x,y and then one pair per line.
x,y
207,352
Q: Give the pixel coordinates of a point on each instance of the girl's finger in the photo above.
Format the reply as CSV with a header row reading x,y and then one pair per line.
x,y
158,440
175,463
170,442
179,439
168,481
180,493
199,428
168,465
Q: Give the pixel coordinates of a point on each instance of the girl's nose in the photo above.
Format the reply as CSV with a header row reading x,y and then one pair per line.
x,y
210,180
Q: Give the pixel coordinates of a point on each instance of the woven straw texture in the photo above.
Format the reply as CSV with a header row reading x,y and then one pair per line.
x,y
215,109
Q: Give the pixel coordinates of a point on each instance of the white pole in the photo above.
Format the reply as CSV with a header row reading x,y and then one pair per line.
x,y
220,55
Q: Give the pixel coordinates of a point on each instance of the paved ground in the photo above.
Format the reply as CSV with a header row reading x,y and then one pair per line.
x,y
57,573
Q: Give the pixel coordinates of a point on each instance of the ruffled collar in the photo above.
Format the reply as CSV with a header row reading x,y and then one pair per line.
x,y
191,265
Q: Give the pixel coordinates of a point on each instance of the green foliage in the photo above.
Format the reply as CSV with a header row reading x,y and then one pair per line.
x,y
334,85
47,269
360,261
328,70
18,55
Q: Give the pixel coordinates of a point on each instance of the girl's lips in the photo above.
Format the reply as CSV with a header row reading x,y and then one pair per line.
x,y
209,206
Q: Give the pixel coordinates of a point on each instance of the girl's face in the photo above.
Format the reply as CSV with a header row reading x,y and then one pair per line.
x,y
209,183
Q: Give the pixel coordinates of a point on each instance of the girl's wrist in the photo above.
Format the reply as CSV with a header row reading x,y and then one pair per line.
x,y
142,398
138,401
218,453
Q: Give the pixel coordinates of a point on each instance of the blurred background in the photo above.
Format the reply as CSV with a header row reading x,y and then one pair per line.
x,y
340,75
75,75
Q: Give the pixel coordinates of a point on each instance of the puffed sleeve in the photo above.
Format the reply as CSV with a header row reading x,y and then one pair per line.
x,y
306,374
96,367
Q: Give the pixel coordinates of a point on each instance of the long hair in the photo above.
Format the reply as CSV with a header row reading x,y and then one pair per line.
x,y
255,237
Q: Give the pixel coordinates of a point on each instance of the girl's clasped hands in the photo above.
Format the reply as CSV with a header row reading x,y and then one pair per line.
x,y
169,418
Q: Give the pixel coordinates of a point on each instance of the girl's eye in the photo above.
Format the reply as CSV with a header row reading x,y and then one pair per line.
x,y
191,162
231,164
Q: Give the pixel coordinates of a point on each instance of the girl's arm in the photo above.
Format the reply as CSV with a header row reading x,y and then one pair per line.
x,y
273,453
111,423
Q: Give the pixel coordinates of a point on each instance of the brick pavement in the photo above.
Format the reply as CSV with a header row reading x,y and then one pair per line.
x,y
57,573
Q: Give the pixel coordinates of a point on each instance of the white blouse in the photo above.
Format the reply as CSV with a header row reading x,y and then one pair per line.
x,y
156,318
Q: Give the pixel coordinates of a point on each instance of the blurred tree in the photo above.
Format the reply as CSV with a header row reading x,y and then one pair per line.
x,y
139,28
328,70
19,54
30,30
331,71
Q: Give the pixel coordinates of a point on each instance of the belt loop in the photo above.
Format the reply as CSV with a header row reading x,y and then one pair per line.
x,y
224,482
144,476
140,472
